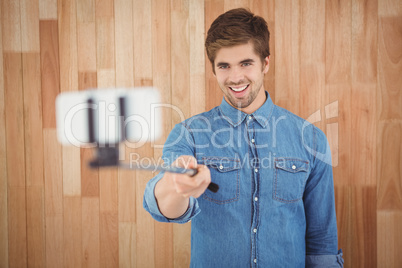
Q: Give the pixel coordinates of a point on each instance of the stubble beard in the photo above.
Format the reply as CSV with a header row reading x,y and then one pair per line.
x,y
242,102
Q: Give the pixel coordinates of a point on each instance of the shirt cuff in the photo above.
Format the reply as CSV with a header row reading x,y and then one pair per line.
x,y
151,205
327,261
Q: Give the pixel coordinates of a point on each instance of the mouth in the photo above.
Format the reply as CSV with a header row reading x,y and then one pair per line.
x,y
239,88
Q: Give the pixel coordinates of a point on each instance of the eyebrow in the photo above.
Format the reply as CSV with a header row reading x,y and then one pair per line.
x,y
219,64
247,61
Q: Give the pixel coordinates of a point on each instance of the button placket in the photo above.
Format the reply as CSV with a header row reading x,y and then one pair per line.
x,y
255,169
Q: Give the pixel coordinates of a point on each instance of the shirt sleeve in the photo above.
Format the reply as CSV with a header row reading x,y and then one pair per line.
x,y
319,204
327,261
178,143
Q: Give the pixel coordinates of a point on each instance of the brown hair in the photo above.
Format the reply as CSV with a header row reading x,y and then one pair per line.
x,y
236,27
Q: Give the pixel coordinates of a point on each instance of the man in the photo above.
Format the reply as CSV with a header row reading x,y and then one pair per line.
x,y
275,206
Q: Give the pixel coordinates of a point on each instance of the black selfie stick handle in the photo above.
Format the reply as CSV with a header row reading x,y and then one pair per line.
x,y
213,187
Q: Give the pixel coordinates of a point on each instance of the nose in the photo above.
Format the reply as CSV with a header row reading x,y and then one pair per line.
x,y
236,75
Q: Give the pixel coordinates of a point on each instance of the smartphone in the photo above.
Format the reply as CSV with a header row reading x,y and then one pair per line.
x,y
97,117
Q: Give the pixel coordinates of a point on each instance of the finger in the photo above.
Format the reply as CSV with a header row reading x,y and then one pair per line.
x,y
192,186
202,169
204,173
194,192
184,181
185,184
189,187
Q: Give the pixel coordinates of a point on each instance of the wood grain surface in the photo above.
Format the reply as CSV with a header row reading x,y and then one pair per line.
x,y
3,165
337,64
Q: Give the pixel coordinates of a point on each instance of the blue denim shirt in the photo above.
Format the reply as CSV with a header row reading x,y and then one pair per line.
x,y
275,206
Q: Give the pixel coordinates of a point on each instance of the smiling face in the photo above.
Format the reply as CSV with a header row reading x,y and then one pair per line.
x,y
240,75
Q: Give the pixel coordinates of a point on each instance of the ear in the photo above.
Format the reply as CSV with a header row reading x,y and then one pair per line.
x,y
266,65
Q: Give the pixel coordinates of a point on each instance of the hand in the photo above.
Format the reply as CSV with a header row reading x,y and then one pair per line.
x,y
190,186
173,191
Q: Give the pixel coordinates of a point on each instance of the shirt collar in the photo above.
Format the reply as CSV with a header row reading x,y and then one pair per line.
x,y
235,117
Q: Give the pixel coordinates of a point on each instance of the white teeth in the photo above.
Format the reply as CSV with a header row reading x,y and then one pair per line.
x,y
239,88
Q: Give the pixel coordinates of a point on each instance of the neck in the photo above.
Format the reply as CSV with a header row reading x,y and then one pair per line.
x,y
256,104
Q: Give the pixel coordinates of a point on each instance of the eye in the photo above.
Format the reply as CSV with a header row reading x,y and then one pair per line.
x,y
245,64
223,66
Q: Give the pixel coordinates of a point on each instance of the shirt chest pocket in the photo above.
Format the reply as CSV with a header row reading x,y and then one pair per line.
x,y
225,173
290,178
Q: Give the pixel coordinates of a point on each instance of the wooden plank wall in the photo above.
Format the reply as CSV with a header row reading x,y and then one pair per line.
x,y
336,63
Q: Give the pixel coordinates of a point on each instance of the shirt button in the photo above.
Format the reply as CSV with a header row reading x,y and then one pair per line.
x,y
252,140
220,167
294,167
254,230
249,117
256,170
255,199
255,260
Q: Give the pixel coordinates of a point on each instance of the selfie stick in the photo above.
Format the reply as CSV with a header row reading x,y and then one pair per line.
x,y
108,155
